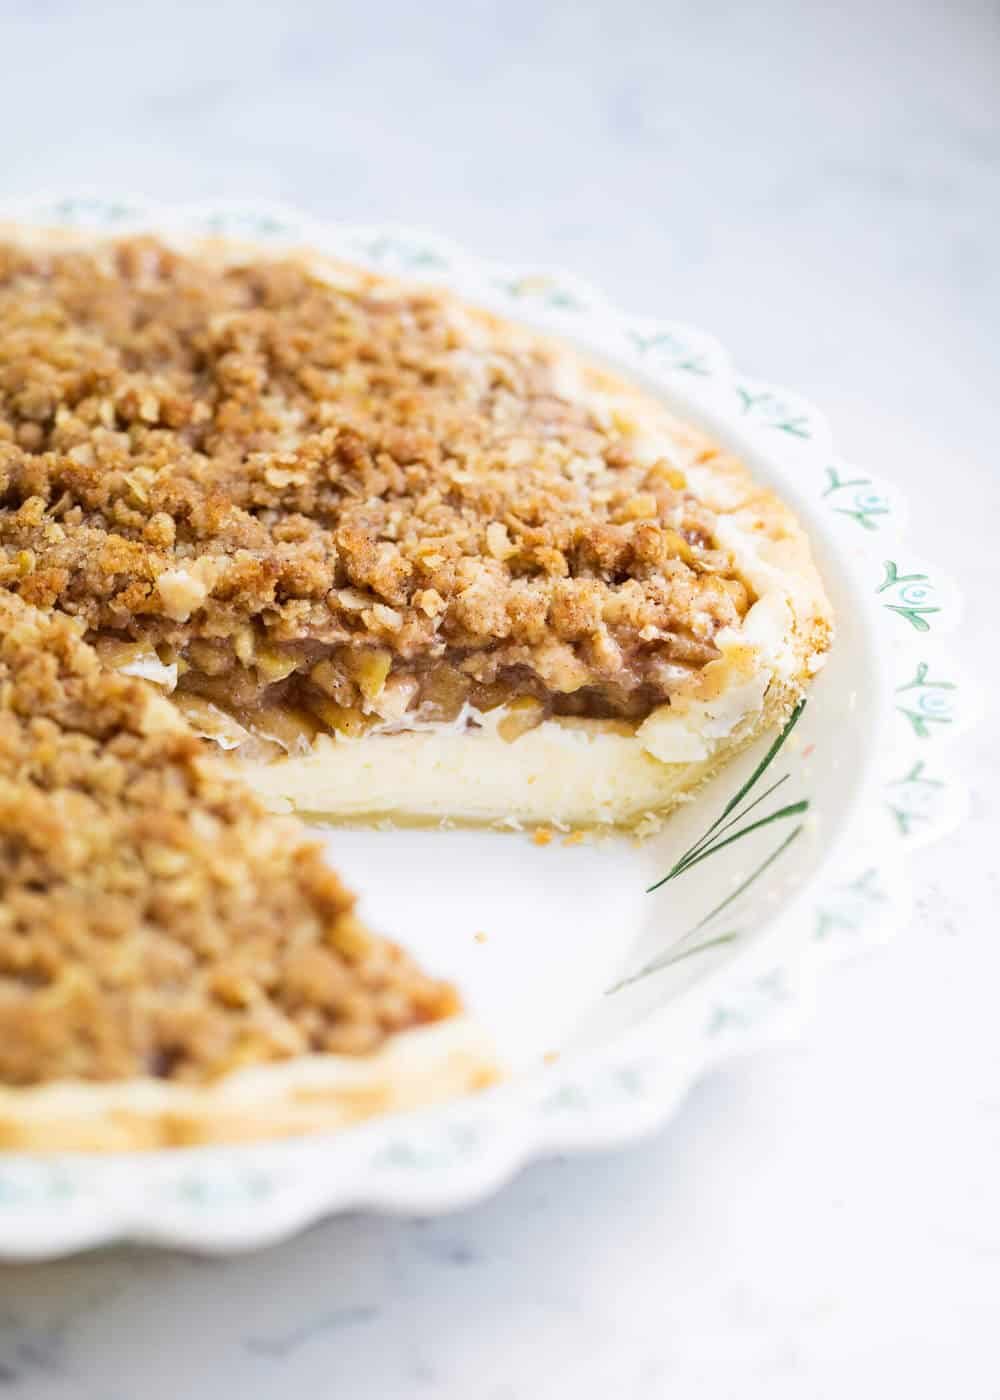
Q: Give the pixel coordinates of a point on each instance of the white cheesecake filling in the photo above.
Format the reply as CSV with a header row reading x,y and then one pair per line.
x,y
576,776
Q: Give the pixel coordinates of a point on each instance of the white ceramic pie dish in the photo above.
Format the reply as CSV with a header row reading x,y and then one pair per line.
x,y
607,1000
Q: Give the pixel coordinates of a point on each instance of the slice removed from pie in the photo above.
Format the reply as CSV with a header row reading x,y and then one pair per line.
x,y
176,965
398,557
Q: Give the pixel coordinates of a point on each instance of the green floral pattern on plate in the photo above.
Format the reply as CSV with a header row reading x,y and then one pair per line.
x,y
910,596
857,498
783,414
384,250
927,702
756,1004
916,797
848,907
668,350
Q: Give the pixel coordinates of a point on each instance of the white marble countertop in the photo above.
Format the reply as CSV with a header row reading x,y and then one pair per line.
x,y
819,186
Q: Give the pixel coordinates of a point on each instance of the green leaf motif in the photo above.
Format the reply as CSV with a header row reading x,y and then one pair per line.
x,y
241,223
18,1192
893,576
930,702
91,211
864,515
767,407
851,905
765,994
912,799
915,616
920,679
209,1192
457,1141
667,347
865,506
622,1084
836,483
410,255
542,290
913,590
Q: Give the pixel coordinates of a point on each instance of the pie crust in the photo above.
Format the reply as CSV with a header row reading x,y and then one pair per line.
x,y
314,1093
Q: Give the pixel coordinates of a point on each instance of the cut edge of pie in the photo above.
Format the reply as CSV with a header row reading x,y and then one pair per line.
x,y
500,770
577,771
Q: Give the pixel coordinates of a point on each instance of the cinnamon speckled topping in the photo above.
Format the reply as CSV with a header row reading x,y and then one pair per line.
x,y
259,472
153,920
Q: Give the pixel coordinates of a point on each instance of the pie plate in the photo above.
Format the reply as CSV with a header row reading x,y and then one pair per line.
x,y
607,999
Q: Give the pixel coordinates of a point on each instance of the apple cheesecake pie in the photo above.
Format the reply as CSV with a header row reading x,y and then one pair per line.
x,y
394,557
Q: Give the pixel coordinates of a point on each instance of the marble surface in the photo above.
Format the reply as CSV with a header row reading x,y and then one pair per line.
x,y
819,186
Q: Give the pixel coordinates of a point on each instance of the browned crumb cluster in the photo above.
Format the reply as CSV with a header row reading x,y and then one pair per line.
x,y
154,921
263,475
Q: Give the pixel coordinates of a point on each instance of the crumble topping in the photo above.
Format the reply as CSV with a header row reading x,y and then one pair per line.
x,y
154,920
346,500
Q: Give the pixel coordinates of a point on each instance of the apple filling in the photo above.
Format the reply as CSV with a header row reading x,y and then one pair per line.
x,y
267,701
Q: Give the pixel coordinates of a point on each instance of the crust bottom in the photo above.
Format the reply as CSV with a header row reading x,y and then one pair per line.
x,y
317,1093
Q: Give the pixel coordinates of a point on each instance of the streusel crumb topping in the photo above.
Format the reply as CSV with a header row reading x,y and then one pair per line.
x,y
153,920
253,469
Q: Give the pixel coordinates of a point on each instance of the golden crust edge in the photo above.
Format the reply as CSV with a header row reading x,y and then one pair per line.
x,y
307,1095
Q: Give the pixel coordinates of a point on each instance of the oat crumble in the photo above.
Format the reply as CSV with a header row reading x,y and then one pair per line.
x,y
154,921
356,502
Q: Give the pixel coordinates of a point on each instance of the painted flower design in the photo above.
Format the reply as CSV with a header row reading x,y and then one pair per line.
x,y
857,497
432,1150
910,596
604,1089
669,351
207,1190
545,291
775,412
760,1000
387,251
850,906
915,799
926,703
243,223
86,212
35,1185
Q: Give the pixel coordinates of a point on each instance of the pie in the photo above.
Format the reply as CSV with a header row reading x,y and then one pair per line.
x,y
279,524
